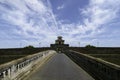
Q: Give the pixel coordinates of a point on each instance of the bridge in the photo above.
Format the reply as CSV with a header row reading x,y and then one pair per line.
x,y
59,63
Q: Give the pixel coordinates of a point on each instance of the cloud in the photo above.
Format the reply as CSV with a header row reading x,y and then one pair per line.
x,y
34,19
60,7
29,15
99,12
97,17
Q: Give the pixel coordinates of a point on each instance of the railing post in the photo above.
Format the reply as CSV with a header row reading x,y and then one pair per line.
x,y
18,66
4,74
43,55
12,70
9,72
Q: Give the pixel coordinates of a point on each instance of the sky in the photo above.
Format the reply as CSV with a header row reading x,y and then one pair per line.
x,y
79,22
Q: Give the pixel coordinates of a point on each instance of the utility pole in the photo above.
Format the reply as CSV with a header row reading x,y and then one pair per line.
x,y
79,44
98,44
39,44
20,45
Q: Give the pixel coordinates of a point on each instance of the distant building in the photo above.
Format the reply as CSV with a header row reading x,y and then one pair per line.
x,y
59,45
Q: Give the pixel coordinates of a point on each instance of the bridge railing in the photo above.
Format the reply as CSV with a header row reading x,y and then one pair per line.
x,y
98,68
11,70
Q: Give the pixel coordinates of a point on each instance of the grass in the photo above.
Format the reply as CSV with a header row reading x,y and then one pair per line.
x,y
7,58
113,58
7,55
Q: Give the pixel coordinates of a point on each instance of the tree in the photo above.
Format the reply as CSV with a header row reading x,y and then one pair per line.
x,y
29,47
89,46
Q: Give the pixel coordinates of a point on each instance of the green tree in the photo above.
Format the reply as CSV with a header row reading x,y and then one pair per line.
x,y
89,46
29,47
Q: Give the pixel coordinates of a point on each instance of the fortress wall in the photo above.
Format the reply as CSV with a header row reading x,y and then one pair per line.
x,y
98,68
14,69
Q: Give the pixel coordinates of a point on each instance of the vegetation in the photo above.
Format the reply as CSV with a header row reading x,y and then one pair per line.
x,y
113,58
29,47
89,46
111,54
7,58
7,55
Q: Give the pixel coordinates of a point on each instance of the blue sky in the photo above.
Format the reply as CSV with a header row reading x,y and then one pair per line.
x,y
39,22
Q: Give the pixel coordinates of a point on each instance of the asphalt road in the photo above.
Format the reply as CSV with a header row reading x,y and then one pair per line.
x,y
60,67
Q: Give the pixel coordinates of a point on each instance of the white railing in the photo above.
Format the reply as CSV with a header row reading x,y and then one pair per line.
x,y
11,70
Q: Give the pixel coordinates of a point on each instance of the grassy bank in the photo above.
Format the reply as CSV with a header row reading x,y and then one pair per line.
x,y
113,58
7,55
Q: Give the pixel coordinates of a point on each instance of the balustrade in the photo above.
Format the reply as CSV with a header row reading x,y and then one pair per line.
x,y
97,67
15,67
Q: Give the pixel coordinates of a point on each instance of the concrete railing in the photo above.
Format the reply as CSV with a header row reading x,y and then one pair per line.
x,y
98,68
12,70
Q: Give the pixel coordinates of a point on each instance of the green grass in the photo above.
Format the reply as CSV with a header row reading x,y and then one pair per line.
x,y
7,55
7,58
113,58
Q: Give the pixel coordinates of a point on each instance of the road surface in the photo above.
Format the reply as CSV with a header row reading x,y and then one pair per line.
x,y
60,67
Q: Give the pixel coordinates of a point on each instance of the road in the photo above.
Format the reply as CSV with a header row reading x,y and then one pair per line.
x,y
60,67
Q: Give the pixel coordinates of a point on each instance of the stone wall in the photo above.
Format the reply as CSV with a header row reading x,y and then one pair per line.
x,y
12,70
98,68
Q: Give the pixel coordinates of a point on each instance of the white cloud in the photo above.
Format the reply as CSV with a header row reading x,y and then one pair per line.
x,y
37,17
100,12
30,16
60,7
97,16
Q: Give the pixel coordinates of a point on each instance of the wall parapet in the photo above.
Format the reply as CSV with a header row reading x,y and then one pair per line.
x,y
98,68
11,70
